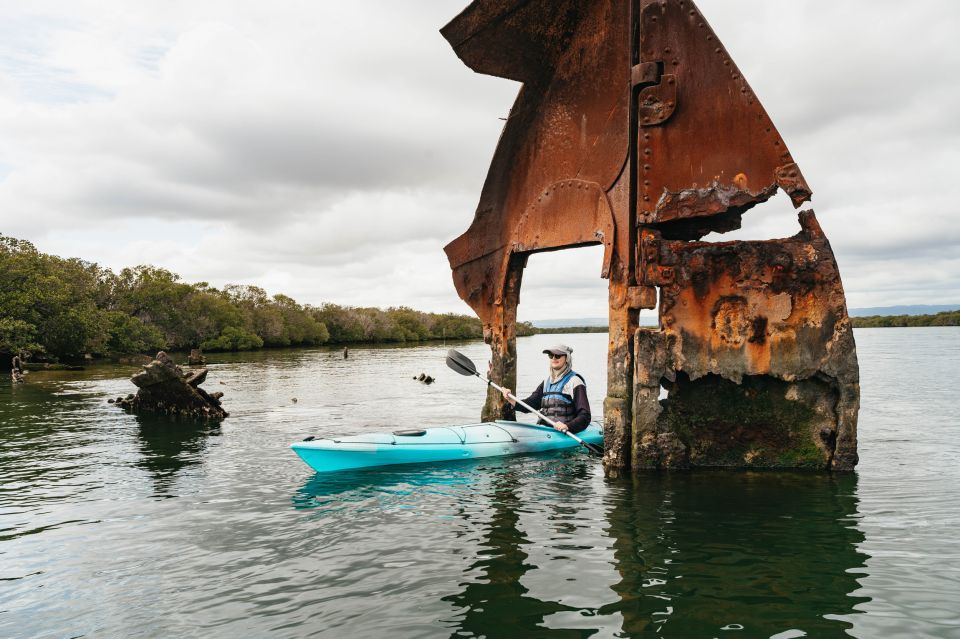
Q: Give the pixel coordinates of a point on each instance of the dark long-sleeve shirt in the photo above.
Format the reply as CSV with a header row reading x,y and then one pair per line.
x,y
580,402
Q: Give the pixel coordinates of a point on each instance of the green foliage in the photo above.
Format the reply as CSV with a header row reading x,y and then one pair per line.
x,y
299,326
568,329
68,307
410,324
233,338
17,336
130,335
343,324
400,324
525,329
57,298
946,318
454,326
73,331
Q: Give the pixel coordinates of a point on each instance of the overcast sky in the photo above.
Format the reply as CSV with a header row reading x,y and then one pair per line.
x,y
329,150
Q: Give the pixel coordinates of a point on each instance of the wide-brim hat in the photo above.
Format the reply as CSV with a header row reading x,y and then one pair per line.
x,y
558,349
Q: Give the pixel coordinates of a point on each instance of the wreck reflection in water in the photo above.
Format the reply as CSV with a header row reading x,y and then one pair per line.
x,y
692,555
765,553
167,446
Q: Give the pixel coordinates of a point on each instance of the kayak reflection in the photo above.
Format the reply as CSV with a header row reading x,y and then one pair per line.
x,y
356,485
328,490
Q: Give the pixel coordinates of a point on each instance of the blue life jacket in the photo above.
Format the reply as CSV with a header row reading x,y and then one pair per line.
x,y
556,404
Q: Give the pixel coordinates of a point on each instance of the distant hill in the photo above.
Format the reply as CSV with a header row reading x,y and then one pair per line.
x,y
912,309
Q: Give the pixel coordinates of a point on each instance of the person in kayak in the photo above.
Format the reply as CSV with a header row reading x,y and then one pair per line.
x,y
562,395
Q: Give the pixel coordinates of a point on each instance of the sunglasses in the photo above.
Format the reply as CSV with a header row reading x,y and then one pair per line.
x,y
552,356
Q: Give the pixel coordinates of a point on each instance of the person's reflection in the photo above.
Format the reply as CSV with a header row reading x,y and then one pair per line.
x,y
169,445
569,493
762,553
495,603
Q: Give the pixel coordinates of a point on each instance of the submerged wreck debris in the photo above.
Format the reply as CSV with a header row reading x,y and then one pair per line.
x,y
165,388
16,370
635,130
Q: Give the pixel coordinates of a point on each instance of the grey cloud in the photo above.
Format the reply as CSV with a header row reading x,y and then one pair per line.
x,y
271,149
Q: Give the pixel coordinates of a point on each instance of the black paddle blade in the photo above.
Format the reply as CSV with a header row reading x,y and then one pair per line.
x,y
460,363
593,448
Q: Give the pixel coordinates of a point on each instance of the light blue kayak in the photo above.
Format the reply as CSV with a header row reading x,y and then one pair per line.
x,y
445,443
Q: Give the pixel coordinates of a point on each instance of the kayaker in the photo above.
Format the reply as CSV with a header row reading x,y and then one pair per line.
x,y
562,395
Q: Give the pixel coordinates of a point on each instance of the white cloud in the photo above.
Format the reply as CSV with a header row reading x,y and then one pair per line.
x,y
329,151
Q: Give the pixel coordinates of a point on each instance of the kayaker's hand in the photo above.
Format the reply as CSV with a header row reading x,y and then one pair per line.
x,y
506,395
563,428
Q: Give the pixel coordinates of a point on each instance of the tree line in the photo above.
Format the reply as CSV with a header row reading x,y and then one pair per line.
x,y
54,308
945,318
572,329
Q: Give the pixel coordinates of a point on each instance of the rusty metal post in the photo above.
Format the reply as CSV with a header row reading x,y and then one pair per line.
x,y
501,335
617,405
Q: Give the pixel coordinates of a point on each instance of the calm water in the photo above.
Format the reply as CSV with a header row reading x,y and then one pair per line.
x,y
113,525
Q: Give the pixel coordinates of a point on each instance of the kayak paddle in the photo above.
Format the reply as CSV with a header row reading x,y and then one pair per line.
x,y
464,365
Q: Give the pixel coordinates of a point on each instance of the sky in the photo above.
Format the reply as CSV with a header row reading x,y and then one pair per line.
x,y
329,150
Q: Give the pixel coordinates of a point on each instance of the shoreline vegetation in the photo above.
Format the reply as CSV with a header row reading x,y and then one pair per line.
x,y
945,318
58,309
569,329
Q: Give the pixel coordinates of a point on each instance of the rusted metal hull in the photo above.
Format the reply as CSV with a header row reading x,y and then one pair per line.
x,y
635,130
769,316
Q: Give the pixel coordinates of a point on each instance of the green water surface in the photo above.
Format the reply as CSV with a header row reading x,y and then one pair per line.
x,y
116,525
